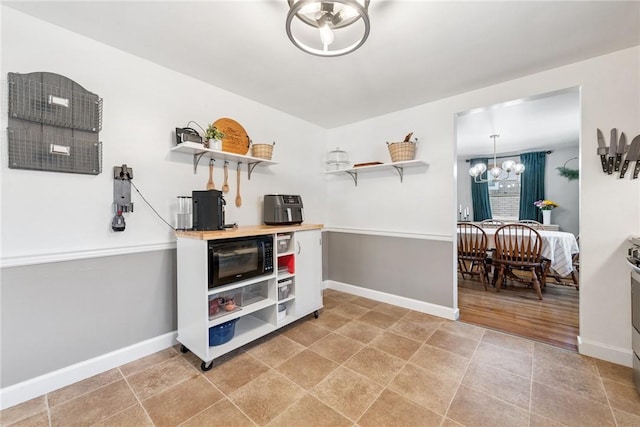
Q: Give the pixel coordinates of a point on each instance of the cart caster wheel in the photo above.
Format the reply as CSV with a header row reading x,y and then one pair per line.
x,y
183,349
316,314
206,366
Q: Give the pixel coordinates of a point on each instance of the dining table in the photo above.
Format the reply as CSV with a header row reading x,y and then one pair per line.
x,y
557,246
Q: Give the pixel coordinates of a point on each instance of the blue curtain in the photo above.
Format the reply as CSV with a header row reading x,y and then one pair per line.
x,y
480,194
532,184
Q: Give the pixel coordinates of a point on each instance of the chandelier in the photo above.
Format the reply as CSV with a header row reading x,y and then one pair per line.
x,y
497,173
328,27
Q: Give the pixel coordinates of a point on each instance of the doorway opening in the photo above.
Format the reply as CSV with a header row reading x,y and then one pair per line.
x,y
549,125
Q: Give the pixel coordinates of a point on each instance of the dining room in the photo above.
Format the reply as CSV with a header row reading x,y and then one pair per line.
x,y
518,200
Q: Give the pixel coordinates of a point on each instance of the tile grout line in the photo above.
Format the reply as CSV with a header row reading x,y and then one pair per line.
x,y
134,395
225,396
606,395
446,412
46,400
49,407
385,386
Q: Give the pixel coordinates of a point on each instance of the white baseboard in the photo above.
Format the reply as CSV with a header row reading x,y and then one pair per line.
x,y
617,355
421,306
34,387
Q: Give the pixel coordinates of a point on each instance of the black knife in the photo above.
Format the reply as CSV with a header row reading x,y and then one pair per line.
x,y
633,151
602,151
622,148
636,171
632,155
613,144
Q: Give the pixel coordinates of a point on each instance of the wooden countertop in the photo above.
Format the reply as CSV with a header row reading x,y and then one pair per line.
x,y
245,231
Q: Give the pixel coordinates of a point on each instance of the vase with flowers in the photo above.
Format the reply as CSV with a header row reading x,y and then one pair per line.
x,y
546,206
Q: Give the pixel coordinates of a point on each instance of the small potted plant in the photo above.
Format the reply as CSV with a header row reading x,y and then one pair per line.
x,y
214,137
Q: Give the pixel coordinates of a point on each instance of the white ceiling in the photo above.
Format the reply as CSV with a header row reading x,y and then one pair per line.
x,y
544,122
417,52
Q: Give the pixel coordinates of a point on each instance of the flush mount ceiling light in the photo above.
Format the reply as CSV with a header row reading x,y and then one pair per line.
x,y
497,173
328,27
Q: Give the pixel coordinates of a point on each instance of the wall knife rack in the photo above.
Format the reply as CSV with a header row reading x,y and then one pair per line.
x,y
54,124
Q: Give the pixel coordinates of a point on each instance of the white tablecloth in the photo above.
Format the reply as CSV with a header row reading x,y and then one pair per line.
x,y
557,246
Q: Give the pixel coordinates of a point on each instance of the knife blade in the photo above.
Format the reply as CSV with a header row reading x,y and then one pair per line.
x,y
632,155
602,150
613,144
621,149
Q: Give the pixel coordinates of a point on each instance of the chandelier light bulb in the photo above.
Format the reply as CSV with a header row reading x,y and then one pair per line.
x,y
474,172
482,168
508,165
495,172
326,35
519,168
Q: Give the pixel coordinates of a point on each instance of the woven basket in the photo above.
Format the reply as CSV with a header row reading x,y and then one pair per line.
x,y
262,151
402,151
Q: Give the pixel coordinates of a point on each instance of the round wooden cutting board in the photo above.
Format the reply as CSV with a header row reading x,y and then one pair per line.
x,y
235,138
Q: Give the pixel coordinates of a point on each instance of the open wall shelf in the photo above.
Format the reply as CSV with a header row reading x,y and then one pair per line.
x,y
398,166
198,151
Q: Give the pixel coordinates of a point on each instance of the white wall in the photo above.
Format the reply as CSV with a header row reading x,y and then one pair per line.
x,y
425,203
562,191
51,213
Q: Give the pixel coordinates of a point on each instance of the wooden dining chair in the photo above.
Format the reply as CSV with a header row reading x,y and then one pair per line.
x,y
518,247
532,223
472,251
491,223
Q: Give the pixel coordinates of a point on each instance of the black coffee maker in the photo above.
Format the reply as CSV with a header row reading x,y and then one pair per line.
x,y
208,210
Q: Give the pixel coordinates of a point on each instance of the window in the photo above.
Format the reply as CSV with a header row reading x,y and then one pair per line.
x,y
505,198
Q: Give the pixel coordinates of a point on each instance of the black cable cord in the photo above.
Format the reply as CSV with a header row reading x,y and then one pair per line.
x,y
149,204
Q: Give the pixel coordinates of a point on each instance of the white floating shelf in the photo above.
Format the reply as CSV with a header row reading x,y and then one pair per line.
x,y
198,151
398,166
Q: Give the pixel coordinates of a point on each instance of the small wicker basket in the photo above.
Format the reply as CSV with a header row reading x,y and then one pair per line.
x,y
262,151
402,151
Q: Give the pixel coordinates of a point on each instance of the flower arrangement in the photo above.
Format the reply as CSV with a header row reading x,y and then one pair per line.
x,y
545,205
213,133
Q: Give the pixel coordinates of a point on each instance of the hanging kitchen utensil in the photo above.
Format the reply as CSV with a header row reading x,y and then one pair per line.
x,y
622,148
238,198
225,186
602,151
210,184
632,154
235,138
613,144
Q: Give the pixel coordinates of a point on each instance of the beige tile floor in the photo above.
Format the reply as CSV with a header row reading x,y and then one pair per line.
x,y
362,363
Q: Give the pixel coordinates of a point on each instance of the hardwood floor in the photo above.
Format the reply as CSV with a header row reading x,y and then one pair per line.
x,y
517,310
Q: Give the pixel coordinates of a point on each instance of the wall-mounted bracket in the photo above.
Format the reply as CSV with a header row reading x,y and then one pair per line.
x,y
196,160
400,171
354,175
250,167
122,172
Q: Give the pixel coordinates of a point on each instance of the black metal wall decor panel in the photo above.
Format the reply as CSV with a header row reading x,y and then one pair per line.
x,y
54,124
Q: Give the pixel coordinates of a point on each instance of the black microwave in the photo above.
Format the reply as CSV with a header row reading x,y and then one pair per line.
x,y
234,260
